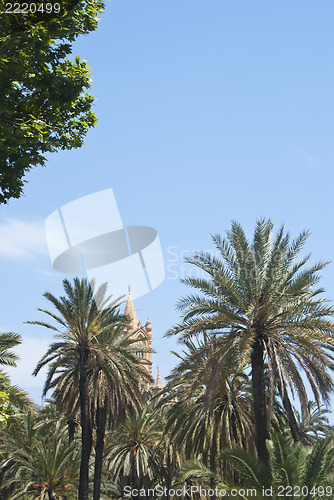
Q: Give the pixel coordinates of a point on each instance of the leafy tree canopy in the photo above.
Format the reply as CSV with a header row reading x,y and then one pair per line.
x,y
43,104
5,407
13,400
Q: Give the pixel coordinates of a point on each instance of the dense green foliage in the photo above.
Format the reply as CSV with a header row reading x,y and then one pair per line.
x,y
102,437
43,104
38,461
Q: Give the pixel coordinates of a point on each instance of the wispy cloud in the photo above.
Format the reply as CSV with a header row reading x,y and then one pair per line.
x,y
21,239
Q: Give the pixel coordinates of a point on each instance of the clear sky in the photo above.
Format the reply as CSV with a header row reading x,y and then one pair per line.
x,y
209,110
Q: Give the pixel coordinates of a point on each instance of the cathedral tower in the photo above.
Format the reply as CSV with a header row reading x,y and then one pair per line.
x,y
140,332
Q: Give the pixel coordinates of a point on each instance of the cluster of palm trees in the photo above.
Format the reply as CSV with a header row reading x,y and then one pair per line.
x,y
257,339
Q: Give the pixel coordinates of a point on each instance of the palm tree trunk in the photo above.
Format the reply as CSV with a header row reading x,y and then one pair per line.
x,y
86,430
259,401
100,432
213,453
291,417
169,472
71,425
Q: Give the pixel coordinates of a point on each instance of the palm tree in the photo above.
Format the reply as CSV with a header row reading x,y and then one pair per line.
x,y
202,421
316,425
134,452
112,388
95,355
260,306
37,460
79,320
295,471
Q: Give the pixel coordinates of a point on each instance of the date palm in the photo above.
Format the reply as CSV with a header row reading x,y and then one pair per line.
x,y
93,366
79,317
134,453
260,305
37,461
112,387
204,421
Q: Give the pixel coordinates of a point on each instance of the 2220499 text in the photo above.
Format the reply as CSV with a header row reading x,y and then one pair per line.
x,y
31,8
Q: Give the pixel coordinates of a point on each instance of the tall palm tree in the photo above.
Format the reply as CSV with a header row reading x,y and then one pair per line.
x,y
93,354
79,317
78,321
114,389
260,305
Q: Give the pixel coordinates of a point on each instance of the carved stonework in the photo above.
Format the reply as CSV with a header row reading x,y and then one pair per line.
x,y
143,332
140,332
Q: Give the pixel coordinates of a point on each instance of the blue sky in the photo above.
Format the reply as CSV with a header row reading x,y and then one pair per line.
x,y
208,111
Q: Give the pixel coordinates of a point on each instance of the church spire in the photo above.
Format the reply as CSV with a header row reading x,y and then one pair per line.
x,y
158,383
142,334
130,311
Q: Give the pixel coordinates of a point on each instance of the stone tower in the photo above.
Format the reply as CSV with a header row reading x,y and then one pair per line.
x,y
140,332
